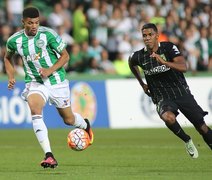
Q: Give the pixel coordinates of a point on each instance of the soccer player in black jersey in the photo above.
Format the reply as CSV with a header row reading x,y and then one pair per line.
x,y
163,67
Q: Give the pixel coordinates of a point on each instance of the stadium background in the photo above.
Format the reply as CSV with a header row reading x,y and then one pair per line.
x,y
124,147
94,92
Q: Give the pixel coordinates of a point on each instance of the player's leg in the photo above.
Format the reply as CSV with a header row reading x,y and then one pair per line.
x,y
168,112
195,114
36,95
59,95
206,133
75,119
36,104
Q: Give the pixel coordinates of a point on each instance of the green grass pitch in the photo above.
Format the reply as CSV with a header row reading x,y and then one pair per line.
x,y
125,154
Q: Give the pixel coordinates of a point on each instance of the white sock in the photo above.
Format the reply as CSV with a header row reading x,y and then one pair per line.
x,y
41,132
79,121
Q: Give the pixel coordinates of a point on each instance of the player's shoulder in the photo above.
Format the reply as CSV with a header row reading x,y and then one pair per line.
x,y
166,44
171,48
16,35
47,30
137,53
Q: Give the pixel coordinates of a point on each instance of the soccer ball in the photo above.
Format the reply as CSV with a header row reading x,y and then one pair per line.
x,y
78,139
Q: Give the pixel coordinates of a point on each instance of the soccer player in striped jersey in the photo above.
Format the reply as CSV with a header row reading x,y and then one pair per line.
x,y
44,54
163,66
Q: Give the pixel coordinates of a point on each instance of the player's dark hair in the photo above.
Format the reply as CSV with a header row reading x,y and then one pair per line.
x,y
150,26
30,12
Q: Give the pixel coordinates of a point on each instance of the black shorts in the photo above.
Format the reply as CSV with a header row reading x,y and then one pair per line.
x,y
187,105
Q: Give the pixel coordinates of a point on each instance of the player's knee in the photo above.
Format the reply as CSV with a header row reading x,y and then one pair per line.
x,y
169,117
203,129
35,110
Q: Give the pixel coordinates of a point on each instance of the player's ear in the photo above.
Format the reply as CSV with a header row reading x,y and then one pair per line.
x,y
23,22
157,35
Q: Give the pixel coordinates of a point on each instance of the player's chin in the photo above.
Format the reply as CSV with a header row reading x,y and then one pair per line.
x,y
149,46
33,33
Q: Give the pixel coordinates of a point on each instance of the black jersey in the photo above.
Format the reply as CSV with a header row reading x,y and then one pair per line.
x,y
163,82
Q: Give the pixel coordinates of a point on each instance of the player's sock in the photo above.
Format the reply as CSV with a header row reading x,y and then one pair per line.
x,y
178,131
49,154
208,137
79,121
41,132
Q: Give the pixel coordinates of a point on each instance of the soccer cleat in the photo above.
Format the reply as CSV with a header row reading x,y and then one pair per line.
x,y
89,131
191,149
49,162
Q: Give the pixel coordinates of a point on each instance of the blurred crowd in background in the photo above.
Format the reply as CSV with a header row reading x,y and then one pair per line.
x,y
101,34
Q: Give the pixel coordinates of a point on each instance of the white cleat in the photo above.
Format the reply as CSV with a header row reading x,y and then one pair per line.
x,y
191,149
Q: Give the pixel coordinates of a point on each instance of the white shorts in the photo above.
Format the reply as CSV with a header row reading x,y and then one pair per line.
x,y
58,94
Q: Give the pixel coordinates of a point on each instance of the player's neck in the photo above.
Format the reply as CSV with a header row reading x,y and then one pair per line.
x,y
154,49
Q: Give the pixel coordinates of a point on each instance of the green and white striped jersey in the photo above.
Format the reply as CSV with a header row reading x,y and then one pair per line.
x,y
39,51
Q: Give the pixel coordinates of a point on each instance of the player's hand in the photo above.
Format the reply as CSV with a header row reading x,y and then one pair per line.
x,y
146,90
11,83
158,58
45,72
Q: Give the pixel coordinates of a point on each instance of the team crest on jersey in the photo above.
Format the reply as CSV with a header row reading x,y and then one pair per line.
x,y
163,57
40,43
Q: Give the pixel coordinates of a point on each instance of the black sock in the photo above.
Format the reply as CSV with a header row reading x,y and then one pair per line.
x,y
178,131
208,137
49,154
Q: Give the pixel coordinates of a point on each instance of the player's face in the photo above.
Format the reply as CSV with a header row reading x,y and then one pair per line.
x,y
150,38
31,26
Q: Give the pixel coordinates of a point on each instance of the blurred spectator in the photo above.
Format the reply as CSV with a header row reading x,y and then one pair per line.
x,y
14,12
106,64
64,35
100,31
94,67
3,15
67,12
76,63
125,47
93,14
210,48
5,32
193,52
80,30
110,21
85,51
59,17
121,66
203,46
95,49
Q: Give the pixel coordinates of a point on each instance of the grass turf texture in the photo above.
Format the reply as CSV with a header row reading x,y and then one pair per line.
x,y
149,154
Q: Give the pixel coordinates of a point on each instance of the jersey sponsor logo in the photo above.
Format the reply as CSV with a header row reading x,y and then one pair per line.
x,y
157,70
40,43
33,57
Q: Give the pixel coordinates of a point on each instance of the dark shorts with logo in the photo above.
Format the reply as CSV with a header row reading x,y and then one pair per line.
x,y
187,105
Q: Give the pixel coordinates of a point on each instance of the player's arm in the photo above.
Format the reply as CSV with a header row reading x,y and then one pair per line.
x,y
178,62
64,58
136,72
9,69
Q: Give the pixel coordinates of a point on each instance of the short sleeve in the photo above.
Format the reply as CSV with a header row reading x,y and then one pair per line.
x,y
56,42
173,50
